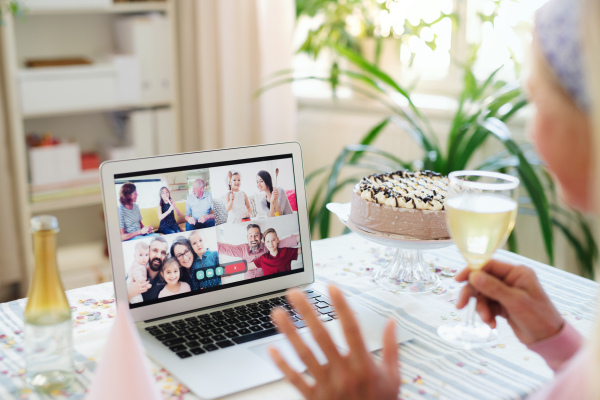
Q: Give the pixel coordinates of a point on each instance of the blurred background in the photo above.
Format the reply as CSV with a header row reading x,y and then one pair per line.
x,y
363,85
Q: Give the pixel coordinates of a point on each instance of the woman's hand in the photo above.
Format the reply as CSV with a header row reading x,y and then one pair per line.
x,y
274,195
147,229
355,375
512,292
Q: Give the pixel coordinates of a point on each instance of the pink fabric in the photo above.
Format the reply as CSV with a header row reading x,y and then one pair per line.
x,y
570,382
565,354
291,195
123,372
560,347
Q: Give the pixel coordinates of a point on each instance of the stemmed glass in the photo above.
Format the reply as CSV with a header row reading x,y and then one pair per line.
x,y
481,208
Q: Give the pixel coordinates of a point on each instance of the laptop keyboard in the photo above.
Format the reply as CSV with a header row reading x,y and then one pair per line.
x,y
192,336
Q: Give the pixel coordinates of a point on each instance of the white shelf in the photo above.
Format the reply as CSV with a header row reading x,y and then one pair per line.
x,y
67,202
115,107
117,8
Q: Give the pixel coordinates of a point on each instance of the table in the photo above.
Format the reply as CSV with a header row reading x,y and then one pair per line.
x,y
431,369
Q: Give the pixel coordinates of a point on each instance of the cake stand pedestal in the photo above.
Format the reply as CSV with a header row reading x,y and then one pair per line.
x,y
407,272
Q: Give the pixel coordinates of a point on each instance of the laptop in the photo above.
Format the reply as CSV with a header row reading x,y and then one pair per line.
x,y
201,256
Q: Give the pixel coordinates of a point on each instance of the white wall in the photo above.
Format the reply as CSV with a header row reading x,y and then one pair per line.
x,y
218,176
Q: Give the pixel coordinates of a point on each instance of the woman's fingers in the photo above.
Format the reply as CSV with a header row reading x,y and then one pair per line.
x,y
349,323
317,329
281,319
390,350
463,297
463,275
294,377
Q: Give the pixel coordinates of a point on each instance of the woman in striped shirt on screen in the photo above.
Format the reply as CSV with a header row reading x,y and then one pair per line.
x,y
130,217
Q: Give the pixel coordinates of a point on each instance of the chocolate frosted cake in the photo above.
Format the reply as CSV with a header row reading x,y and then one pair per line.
x,y
404,203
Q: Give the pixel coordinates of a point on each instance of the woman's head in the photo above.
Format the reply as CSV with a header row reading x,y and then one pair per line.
x,y
271,239
170,271
165,195
561,128
263,181
128,194
182,250
198,242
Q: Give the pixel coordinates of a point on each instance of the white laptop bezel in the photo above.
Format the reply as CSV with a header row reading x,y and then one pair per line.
x,y
109,169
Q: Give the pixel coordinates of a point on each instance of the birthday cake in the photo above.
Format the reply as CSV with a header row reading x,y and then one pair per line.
x,y
409,204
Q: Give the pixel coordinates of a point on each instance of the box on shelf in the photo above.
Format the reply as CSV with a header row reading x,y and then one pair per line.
x,y
128,75
65,4
53,164
68,88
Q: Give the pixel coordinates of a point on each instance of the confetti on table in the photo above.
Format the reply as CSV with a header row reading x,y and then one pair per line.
x,y
421,391
484,363
444,317
501,345
460,364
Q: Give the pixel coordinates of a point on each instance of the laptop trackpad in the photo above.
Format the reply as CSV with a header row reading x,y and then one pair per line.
x,y
289,354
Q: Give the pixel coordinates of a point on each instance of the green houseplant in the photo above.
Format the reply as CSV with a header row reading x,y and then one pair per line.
x,y
483,109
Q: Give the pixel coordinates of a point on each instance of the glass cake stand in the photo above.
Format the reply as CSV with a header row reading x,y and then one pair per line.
x,y
407,272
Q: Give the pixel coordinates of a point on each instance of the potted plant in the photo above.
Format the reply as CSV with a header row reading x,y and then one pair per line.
x,y
483,109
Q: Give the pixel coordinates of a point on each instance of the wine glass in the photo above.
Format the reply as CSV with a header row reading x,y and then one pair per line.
x,y
481,208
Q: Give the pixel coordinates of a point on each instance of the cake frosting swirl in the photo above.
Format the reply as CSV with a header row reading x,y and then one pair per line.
x,y
402,202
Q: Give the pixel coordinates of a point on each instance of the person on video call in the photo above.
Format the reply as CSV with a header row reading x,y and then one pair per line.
x,y
204,268
130,217
198,208
253,249
274,201
150,288
565,87
277,259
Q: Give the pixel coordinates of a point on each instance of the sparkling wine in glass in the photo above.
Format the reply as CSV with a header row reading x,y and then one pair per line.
x,y
481,208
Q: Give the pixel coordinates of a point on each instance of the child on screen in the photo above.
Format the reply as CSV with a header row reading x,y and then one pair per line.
x,y
170,273
138,271
236,201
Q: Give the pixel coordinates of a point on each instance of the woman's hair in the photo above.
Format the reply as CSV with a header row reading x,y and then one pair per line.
x,y
171,260
125,194
270,230
160,195
266,177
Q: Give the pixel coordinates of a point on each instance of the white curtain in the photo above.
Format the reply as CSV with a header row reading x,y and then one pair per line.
x,y
226,50
13,263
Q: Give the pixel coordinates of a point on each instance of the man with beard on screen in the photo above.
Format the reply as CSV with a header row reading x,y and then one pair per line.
x,y
151,288
254,248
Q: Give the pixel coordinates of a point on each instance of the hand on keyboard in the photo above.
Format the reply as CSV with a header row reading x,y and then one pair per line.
x,y
355,375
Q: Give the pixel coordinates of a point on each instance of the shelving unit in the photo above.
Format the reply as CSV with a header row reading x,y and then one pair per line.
x,y
51,33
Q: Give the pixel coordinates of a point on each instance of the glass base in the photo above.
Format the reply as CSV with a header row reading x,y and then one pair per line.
x,y
49,381
407,273
468,336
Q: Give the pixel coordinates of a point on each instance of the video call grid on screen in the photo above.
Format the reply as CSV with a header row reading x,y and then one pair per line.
x,y
227,244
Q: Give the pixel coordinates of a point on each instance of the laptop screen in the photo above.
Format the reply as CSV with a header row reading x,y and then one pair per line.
x,y
201,228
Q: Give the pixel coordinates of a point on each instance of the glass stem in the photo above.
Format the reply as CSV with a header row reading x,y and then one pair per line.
x,y
471,306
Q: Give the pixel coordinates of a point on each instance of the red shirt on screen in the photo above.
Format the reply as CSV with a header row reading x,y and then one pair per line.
x,y
280,263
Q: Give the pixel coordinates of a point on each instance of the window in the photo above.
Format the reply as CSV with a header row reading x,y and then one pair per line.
x,y
421,47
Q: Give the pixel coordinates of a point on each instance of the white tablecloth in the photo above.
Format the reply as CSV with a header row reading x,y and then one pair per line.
x,y
431,369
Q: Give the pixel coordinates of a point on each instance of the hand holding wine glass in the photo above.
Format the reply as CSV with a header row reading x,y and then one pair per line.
x,y
514,293
481,210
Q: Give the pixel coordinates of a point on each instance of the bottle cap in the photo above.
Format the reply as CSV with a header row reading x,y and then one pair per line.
x,y
44,223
